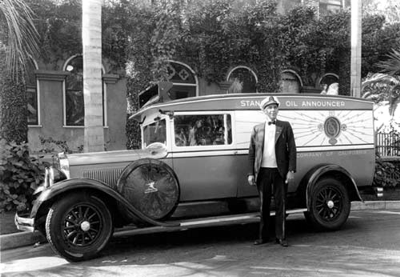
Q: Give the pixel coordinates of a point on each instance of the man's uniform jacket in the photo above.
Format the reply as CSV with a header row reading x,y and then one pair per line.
x,y
285,148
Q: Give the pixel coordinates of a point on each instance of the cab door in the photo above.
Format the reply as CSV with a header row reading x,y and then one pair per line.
x,y
204,158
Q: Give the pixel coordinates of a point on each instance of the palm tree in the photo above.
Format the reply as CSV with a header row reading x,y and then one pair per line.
x,y
92,83
385,86
392,65
18,41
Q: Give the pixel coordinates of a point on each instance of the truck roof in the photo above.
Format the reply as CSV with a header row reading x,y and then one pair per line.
x,y
251,101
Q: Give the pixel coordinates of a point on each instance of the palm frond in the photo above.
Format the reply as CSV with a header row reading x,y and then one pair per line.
x,y
380,78
22,37
392,65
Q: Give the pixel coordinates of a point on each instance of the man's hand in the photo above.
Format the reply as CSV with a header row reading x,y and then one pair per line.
x,y
289,177
251,180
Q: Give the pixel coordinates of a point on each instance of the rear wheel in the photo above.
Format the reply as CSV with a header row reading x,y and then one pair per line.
x,y
329,205
78,226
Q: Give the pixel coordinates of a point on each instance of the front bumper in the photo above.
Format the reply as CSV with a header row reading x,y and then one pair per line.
x,y
24,222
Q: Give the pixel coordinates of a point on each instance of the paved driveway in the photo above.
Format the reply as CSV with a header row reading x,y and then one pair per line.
x,y
368,245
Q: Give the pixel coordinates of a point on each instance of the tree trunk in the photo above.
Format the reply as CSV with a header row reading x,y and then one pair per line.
x,y
13,116
92,83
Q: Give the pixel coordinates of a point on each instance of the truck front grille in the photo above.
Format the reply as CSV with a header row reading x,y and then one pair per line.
x,y
108,176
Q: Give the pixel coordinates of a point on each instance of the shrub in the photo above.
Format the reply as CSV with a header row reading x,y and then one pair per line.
x,y
387,173
52,147
20,175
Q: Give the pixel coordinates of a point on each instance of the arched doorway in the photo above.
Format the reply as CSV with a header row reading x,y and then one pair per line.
x,y
291,82
243,79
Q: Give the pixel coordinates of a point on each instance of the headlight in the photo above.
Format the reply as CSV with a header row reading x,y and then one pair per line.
x,y
64,164
53,175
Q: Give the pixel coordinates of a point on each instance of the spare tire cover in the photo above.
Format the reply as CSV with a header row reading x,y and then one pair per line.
x,y
151,187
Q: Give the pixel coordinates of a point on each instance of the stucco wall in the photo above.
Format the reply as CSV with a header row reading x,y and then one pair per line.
x,y
115,135
51,88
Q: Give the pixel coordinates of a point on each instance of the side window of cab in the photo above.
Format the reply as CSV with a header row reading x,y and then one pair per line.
x,y
202,129
155,132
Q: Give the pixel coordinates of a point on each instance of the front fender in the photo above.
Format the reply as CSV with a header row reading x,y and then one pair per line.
x,y
84,183
316,173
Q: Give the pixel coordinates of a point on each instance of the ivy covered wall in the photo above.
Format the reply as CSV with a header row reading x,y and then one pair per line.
x,y
212,37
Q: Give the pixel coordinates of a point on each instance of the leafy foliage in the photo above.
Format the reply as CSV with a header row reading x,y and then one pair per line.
x,y
13,117
18,33
391,66
20,176
212,37
387,174
54,146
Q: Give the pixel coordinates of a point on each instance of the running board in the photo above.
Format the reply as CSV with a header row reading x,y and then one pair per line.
x,y
181,225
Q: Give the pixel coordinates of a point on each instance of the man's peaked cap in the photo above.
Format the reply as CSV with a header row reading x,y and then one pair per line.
x,y
269,101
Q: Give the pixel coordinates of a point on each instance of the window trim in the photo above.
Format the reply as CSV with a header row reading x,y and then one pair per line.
x,y
150,121
105,104
37,91
294,73
64,87
327,74
245,67
177,148
196,84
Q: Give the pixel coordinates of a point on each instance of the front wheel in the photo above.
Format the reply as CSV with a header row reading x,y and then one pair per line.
x,y
78,226
329,205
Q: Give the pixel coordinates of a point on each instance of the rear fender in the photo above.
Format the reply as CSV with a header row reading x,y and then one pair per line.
x,y
85,183
328,170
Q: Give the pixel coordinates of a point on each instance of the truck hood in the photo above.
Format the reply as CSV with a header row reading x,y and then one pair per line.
x,y
158,151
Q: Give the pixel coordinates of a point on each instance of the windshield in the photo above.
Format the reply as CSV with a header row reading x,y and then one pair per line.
x,y
155,132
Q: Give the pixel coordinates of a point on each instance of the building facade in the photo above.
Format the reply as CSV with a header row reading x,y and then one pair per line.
x,y
56,110
55,92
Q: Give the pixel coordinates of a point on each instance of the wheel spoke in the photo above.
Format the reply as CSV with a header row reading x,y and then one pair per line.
x,y
72,225
325,194
75,240
95,222
85,214
80,212
69,227
73,233
89,218
71,221
93,233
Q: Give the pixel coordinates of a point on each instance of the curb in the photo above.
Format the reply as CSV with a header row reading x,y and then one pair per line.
x,y
15,240
375,205
20,239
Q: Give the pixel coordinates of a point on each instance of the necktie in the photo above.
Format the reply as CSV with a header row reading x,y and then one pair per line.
x,y
271,122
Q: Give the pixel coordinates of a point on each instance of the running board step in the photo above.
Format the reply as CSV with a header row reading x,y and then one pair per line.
x,y
199,222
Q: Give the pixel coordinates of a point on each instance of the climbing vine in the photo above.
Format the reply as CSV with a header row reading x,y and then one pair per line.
x,y
212,36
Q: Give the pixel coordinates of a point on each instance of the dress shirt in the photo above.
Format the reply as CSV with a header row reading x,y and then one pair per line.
x,y
269,157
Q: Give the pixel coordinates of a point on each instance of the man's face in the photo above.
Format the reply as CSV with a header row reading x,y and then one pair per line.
x,y
271,111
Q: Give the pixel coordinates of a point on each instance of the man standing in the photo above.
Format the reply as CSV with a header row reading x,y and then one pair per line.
x,y
272,164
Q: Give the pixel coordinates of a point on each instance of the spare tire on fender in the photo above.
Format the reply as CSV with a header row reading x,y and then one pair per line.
x,y
151,186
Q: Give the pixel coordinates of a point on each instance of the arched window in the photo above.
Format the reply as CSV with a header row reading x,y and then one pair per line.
x,y
291,82
184,84
183,79
74,108
328,79
243,79
32,94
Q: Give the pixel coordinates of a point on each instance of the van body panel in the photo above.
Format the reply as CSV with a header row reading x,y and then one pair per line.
x,y
251,101
193,168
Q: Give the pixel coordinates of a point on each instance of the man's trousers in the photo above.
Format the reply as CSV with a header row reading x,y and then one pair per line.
x,y
270,182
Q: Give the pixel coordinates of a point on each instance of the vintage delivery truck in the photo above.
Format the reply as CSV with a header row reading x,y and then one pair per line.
x,y
195,151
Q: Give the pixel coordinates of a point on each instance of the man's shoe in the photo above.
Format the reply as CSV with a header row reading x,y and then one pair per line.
x,y
260,241
282,242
